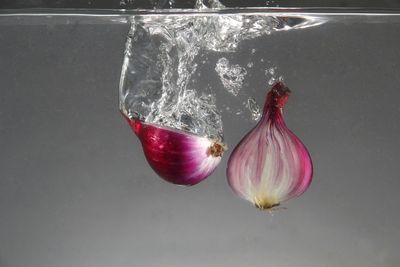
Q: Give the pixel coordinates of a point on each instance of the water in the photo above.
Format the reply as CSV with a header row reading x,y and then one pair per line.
x,y
162,75
76,190
232,76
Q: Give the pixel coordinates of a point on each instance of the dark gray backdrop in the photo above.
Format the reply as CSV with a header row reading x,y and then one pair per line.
x,y
75,189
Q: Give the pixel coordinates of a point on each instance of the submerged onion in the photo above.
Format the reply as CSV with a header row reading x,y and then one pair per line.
x,y
176,156
270,164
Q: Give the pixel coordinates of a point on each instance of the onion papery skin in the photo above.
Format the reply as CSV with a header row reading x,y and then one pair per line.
x,y
176,156
270,164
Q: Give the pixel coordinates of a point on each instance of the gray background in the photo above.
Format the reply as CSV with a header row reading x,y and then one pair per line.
x,y
75,189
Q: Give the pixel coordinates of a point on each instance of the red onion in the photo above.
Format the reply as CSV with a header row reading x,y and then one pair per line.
x,y
177,156
270,164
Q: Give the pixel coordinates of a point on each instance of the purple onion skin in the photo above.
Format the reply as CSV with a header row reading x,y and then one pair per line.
x,y
176,156
270,164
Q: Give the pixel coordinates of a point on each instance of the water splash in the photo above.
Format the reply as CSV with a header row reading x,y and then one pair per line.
x,y
205,4
232,76
272,75
160,63
254,109
270,3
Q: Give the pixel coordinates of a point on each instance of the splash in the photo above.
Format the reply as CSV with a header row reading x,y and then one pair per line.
x,y
160,63
273,76
254,109
205,4
232,76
